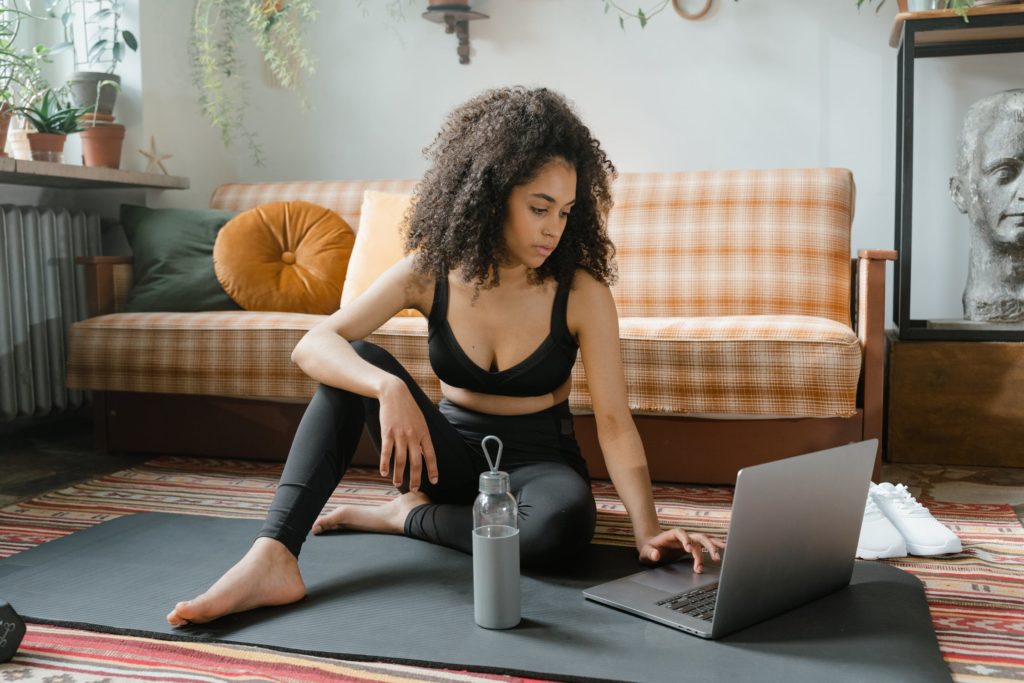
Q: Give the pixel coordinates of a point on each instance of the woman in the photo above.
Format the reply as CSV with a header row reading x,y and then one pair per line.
x,y
510,261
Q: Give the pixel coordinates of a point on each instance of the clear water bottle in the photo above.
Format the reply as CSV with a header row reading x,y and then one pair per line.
x,y
495,548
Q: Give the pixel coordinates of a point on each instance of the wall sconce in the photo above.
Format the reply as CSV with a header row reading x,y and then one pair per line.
x,y
456,17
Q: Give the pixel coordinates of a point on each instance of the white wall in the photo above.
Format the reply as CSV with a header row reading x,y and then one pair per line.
x,y
757,83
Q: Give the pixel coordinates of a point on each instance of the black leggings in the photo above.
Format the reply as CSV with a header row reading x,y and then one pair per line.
x,y
548,476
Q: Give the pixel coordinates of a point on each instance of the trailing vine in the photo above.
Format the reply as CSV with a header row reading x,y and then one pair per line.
x,y
640,15
217,69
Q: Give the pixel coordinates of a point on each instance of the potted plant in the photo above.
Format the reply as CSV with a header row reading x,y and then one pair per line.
x,y
101,137
53,118
959,6
19,68
217,69
92,32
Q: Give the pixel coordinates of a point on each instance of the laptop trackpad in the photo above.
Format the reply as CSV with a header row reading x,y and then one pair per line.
x,y
677,577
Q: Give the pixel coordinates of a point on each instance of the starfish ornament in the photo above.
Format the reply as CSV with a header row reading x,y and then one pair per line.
x,y
156,159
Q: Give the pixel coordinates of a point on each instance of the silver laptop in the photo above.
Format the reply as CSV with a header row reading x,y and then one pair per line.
x,y
792,539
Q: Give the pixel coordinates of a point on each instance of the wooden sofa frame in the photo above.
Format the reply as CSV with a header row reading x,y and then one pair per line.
x,y
713,449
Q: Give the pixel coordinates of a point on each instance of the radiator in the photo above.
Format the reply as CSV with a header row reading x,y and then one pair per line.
x,y
42,293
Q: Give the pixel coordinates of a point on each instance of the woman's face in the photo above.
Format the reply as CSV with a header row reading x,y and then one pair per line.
x,y
537,212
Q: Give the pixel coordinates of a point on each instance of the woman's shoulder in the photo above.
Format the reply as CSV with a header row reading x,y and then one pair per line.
x,y
585,285
587,296
419,286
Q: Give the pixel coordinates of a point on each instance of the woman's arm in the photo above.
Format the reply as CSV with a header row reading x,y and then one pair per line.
x,y
595,321
325,354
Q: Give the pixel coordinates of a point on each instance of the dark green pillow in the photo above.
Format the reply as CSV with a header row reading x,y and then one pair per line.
x,y
173,259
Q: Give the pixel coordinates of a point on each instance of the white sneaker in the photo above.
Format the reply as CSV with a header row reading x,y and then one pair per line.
x,y
923,533
878,537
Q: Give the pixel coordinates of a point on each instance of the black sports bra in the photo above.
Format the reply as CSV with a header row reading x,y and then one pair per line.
x,y
543,371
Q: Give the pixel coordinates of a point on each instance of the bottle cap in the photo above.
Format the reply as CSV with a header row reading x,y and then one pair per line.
x,y
494,482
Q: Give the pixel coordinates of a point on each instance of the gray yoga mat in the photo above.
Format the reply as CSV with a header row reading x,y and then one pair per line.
x,y
390,598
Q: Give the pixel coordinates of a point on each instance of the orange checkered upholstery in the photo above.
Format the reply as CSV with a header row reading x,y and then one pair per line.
x,y
733,296
217,353
343,197
734,243
220,353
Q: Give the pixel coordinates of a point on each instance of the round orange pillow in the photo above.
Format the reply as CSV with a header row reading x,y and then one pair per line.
x,y
284,256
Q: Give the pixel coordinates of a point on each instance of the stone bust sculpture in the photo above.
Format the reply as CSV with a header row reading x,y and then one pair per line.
x,y
989,188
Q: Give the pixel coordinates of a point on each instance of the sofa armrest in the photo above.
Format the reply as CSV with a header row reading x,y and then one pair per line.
x,y
107,281
871,331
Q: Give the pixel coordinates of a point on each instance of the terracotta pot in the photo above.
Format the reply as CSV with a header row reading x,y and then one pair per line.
x,y
5,121
47,146
101,145
100,118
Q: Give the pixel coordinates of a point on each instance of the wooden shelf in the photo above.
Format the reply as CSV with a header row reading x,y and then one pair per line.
x,y
69,177
959,34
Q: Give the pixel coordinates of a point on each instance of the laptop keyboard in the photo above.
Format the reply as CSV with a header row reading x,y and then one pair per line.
x,y
698,603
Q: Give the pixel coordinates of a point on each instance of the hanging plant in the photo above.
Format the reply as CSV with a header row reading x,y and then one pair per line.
x,y
640,15
217,70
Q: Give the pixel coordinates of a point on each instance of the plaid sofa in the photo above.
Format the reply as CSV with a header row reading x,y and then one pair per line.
x,y
736,299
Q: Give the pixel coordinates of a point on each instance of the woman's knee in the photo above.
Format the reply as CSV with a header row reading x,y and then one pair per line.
x,y
374,354
332,396
556,528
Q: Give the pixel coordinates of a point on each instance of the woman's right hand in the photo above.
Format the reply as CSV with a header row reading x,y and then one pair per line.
x,y
404,434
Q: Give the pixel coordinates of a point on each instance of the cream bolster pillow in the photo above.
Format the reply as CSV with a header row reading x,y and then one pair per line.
x,y
383,221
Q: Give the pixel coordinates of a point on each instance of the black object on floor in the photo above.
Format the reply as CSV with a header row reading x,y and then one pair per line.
x,y
391,598
12,630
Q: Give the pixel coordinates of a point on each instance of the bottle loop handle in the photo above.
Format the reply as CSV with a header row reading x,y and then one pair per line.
x,y
497,459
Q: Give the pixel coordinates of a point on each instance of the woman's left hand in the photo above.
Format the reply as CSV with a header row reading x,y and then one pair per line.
x,y
674,543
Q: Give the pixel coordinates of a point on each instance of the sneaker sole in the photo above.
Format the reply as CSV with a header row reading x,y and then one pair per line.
x,y
898,550
951,546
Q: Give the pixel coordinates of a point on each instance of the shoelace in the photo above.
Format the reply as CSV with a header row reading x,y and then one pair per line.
x,y
906,503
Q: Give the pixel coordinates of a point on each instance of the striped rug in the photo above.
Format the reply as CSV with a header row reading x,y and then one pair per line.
x,y
976,597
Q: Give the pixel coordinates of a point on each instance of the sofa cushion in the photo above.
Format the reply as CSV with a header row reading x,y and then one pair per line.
x,y
173,259
763,365
779,366
724,243
379,244
284,256
226,353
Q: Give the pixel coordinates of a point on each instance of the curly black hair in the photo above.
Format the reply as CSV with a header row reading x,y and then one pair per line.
x,y
494,142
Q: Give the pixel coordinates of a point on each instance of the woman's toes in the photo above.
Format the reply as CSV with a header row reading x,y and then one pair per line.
x,y
329,522
177,615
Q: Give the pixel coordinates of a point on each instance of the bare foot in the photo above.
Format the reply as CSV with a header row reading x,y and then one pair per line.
x,y
388,518
267,575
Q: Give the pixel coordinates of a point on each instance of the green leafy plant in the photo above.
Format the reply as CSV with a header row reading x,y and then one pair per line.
x,y
217,69
19,68
92,32
52,114
958,6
